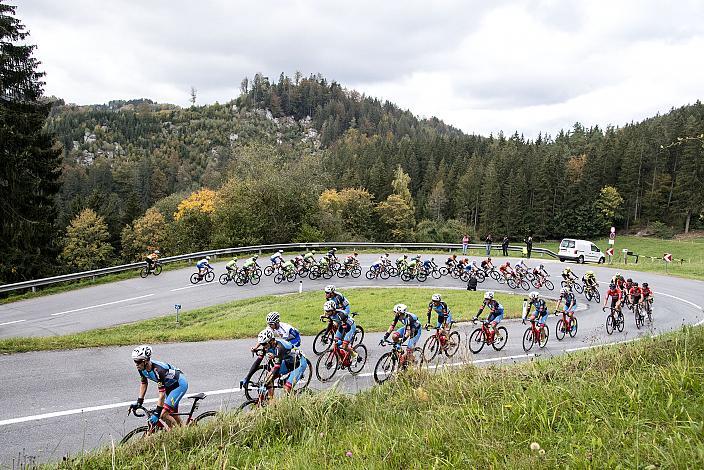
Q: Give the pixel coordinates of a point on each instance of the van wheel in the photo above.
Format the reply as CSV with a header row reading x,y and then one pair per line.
x,y
580,260
562,260
602,260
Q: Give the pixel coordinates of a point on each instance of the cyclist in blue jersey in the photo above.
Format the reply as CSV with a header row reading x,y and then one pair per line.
x,y
570,302
540,309
170,381
443,311
340,301
287,360
496,312
429,265
410,330
203,266
283,330
346,327
277,258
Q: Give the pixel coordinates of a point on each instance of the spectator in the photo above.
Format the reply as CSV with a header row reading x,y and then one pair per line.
x,y
529,244
504,246
472,283
465,242
488,241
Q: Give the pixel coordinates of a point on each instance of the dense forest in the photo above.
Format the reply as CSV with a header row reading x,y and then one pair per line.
x,y
303,159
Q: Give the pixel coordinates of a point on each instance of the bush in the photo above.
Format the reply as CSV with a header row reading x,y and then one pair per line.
x,y
661,230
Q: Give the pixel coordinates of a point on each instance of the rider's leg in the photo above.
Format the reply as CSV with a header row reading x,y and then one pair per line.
x,y
297,374
171,402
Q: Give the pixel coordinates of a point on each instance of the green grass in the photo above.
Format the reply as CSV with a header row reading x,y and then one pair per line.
x,y
245,318
636,405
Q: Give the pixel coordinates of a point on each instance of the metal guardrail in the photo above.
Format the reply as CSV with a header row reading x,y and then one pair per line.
x,y
33,284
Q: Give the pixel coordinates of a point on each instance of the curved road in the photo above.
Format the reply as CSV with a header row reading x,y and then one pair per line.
x,y
59,402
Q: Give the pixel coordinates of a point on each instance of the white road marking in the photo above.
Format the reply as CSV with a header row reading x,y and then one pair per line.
x,y
101,305
191,287
11,322
462,363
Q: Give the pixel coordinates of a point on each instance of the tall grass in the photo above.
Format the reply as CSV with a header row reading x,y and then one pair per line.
x,y
638,405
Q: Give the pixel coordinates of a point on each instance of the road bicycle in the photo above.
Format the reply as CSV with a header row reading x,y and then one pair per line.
x,y
409,274
273,268
592,293
144,431
326,337
147,270
472,272
252,276
337,358
516,281
207,276
535,334
540,280
494,274
572,285
349,269
433,271
384,271
260,374
443,341
639,314
285,274
614,321
484,335
566,324
390,362
230,275
648,305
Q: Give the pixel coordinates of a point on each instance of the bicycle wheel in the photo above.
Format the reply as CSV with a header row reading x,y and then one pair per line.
x,y
405,277
481,277
322,341
430,348
452,345
535,283
205,416
610,324
314,273
370,275
620,322
255,278
250,405
358,335
278,278
269,270
304,381
357,366
596,296
573,327
501,279
528,339
436,274
393,272
356,272
563,284
588,295
443,271
256,379
560,329
500,338
638,317
421,276
290,277
326,366
341,273
241,279
157,270
209,276
385,367
195,278
511,283
224,279
385,274
525,285
578,287
548,284
135,435
476,341
144,272
544,336
495,275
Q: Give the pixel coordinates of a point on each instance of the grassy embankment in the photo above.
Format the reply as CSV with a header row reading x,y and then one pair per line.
x,y
245,318
635,405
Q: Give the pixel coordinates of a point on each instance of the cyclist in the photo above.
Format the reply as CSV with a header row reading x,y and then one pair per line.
x,y
451,262
496,313
170,380
487,265
309,258
541,309
376,266
288,267
647,293
351,260
231,267
616,296
540,272
331,254
444,316
589,280
634,294
627,285
410,330
283,330
340,301
402,262
506,270
429,265
203,266
151,259
569,276
521,267
570,302
413,263
277,259
287,360
250,264
298,261
345,326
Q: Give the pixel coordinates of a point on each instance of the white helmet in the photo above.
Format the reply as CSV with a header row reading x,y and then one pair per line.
x,y
142,352
265,336
533,295
157,252
329,306
255,256
564,290
400,309
488,295
281,252
436,298
207,258
273,317
330,289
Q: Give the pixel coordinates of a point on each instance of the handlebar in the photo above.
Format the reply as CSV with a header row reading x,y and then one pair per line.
x,y
139,411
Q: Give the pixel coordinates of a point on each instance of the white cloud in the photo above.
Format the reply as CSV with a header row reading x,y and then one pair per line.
x,y
531,66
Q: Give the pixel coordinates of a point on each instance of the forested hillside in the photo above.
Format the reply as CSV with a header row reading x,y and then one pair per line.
x,y
305,159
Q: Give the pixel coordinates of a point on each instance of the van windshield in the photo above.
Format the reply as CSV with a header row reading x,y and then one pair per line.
x,y
567,244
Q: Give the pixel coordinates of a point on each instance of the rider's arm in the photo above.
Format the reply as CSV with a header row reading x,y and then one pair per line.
x,y
142,390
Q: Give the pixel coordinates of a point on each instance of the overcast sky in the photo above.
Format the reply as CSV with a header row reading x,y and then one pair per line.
x,y
483,66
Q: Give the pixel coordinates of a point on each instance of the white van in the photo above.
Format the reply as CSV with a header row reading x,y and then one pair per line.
x,y
580,251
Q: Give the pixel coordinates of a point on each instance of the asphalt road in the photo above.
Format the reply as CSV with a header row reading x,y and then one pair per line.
x,y
59,402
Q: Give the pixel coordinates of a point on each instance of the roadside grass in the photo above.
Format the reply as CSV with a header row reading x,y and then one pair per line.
x,y
635,405
245,318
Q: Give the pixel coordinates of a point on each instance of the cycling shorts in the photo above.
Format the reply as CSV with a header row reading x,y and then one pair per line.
x,y
540,317
442,319
636,299
296,339
299,367
496,316
572,309
175,394
413,340
346,335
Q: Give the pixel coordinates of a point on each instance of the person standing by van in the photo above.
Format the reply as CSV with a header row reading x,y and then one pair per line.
x,y
504,246
529,244
465,242
488,242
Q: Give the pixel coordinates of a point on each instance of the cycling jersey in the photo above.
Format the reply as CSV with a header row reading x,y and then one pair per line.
x,y
485,264
341,302
288,333
410,321
541,310
249,263
287,359
635,293
444,315
428,264
570,301
495,308
170,380
153,257
276,257
309,256
202,264
451,260
288,266
647,292
231,265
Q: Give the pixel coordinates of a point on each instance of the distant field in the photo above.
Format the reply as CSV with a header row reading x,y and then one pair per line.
x,y
245,318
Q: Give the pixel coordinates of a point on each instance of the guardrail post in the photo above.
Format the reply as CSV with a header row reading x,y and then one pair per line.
x,y
34,289
300,286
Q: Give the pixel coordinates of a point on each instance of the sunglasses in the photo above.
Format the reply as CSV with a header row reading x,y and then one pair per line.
x,y
139,362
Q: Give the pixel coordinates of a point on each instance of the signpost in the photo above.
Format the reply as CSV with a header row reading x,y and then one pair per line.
x,y
612,236
610,252
625,255
667,257
177,307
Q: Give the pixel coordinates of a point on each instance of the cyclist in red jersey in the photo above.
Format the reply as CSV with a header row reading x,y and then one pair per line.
x,y
634,294
616,296
506,270
646,292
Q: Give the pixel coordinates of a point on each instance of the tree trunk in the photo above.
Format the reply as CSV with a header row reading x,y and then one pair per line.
x,y
686,222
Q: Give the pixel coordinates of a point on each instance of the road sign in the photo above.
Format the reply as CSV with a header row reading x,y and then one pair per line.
x,y
610,252
613,229
667,257
612,235
611,241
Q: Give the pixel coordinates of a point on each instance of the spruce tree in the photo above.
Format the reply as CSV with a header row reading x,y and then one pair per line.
x,y
29,159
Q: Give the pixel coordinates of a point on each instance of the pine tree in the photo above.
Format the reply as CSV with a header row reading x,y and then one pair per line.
x,y
29,159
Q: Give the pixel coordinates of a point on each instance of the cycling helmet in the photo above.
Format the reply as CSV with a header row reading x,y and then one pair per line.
x,y
432,258
417,256
612,286
334,249
589,273
488,258
488,295
542,266
273,317
629,280
255,256
386,254
454,256
329,306
533,295
157,252
207,258
568,270
564,290
330,289
142,352
234,258
265,336
436,298
635,284
508,263
355,254
405,256
281,252
645,284
400,309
